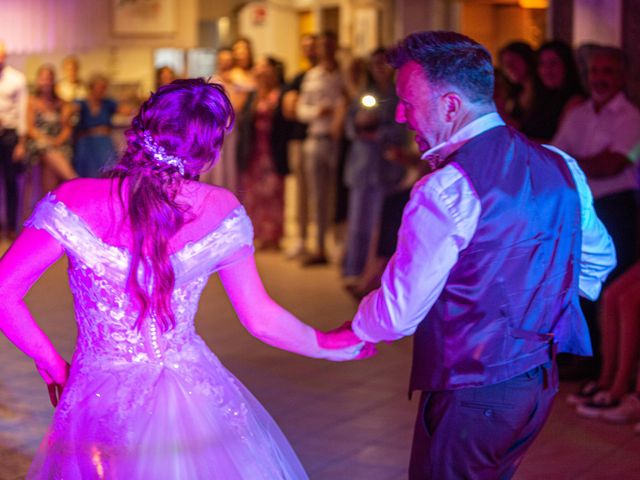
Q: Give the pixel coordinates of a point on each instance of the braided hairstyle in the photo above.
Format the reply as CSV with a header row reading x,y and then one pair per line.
x,y
188,119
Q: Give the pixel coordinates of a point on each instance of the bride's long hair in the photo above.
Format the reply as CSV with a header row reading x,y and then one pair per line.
x,y
185,120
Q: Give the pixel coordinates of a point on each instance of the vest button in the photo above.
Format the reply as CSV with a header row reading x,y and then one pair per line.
x,y
488,412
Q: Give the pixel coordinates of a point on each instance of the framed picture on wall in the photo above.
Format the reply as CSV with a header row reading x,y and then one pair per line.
x,y
143,17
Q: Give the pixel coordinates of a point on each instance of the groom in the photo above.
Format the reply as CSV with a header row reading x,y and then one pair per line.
x,y
495,246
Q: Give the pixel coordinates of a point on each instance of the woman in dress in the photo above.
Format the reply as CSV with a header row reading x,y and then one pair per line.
x,y
225,173
559,91
261,163
49,131
144,398
242,72
518,63
94,149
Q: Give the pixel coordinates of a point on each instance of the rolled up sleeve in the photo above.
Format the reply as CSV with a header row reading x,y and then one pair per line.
x,y
598,255
439,220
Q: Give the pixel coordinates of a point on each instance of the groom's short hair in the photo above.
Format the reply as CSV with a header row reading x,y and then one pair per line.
x,y
449,58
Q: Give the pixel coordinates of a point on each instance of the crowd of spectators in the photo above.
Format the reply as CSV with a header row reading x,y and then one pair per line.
x,y
543,94
332,129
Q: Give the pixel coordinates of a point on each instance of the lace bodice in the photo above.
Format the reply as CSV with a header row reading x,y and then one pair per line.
x,y
105,315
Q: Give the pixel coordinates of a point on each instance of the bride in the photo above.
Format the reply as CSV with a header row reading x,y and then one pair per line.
x,y
144,398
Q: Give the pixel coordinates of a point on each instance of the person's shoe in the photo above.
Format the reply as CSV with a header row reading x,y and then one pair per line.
x,y
314,260
586,392
601,404
298,251
628,411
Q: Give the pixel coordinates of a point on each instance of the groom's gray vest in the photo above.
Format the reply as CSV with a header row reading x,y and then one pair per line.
x,y
514,289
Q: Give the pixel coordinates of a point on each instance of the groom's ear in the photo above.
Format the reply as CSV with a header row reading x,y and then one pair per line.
x,y
451,104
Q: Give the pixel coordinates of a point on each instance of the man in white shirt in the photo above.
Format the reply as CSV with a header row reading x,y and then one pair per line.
x,y
321,107
603,135
13,129
495,246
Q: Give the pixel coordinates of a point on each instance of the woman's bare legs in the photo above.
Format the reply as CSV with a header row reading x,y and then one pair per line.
x,y
620,341
629,311
55,170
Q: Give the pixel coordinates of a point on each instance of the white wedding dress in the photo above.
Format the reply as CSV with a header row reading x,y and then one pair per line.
x,y
146,404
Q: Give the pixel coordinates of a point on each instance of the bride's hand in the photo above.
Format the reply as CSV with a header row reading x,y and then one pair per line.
x,y
341,344
55,373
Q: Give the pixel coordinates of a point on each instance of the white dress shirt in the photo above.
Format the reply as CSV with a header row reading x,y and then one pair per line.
x,y
320,89
616,127
13,100
438,222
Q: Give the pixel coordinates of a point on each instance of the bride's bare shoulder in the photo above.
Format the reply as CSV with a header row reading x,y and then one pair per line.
x,y
82,193
214,201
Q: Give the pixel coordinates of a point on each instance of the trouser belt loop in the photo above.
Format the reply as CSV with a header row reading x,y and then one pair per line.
x,y
549,369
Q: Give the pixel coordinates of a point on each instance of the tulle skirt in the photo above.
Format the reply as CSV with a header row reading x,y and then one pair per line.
x,y
175,420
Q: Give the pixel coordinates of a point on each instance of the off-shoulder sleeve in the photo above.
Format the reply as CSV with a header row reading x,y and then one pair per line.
x,y
49,215
230,242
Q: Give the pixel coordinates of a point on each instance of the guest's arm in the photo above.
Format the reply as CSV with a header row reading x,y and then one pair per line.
x,y
21,130
605,164
65,119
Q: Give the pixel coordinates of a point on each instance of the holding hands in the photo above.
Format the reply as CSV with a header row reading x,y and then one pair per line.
x,y
341,344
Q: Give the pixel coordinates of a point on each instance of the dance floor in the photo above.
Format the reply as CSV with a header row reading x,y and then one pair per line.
x,y
347,421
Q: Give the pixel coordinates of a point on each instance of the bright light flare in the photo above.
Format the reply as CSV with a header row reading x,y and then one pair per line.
x,y
369,101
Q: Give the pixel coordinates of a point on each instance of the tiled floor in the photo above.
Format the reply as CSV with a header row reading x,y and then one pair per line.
x,y
347,421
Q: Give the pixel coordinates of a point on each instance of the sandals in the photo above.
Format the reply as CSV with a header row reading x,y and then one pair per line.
x,y
600,404
586,392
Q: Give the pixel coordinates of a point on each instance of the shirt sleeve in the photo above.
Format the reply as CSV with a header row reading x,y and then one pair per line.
x,y
307,109
562,138
626,139
438,222
598,255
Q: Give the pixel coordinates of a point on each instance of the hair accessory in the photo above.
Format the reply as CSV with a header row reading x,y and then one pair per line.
x,y
159,154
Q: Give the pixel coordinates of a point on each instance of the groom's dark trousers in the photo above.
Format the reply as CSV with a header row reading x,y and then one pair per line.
x,y
481,433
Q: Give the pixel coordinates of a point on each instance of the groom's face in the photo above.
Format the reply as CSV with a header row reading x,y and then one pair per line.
x,y
420,106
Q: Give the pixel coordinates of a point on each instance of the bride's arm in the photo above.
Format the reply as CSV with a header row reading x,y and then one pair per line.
x,y
26,260
269,322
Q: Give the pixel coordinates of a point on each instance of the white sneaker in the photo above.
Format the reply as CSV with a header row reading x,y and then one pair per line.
x,y
628,411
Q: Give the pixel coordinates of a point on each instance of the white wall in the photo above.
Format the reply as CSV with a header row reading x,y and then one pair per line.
x,y
277,35
597,21
125,59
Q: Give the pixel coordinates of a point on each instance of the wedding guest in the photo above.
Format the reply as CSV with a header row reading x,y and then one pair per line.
x,y
368,175
70,88
13,133
297,134
225,172
495,246
164,76
321,106
603,135
518,63
49,131
262,167
242,72
559,91
620,323
94,148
